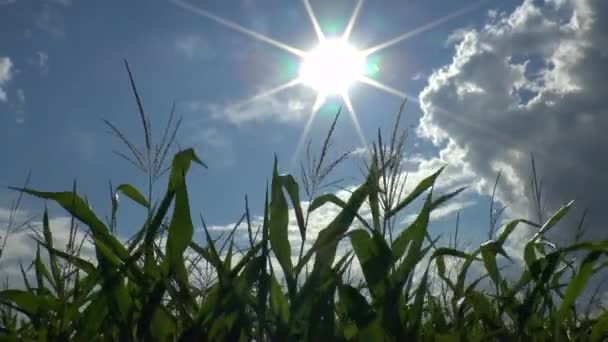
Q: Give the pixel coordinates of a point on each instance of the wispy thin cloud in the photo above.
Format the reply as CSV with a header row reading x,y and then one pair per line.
x,y
51,20
194,46
292,106
5,75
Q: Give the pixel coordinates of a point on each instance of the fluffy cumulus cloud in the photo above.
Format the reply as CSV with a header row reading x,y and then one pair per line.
x,y
530,81
20,245
5,75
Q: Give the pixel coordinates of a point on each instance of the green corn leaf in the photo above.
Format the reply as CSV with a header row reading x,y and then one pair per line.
x,y
25,279
553,220
92,318
489,249
106,253
181,165
375,259
529,254
444,198
181,228
48,238
343,264
42,272
332,198
373,195
415,233
482,307
578,283
599,330
82,264
278,302
417,308
439,255
459,289
251,272
251,253
81,211
327,240
356,305
263,278
425,184
134,194
290,184
507,230
278,227
26,301
163,325
208,254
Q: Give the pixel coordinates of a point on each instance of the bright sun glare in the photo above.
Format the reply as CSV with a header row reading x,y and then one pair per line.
x,y
332,67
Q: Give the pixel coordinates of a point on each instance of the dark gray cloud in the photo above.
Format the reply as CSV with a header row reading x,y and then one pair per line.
x,y
530,81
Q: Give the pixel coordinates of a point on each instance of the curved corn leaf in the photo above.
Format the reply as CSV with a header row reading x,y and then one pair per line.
x,y
444,198
327,240
76,206
554,219
332,198
134,194
181,165
26,301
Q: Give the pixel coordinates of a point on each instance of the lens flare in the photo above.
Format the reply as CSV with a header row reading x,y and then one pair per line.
x,y
332,67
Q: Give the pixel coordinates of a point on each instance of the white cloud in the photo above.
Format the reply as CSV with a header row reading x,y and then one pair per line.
x,y
194,45
5,75
51,21
213,139
21,246
43,62
293,105
21,96
61,2
529,81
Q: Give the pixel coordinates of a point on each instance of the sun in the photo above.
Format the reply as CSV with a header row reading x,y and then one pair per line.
x,y
332,67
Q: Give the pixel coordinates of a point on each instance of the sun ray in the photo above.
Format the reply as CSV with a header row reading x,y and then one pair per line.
x,y
352,20
423,28
273,91
383,87
315,108
355,119
239,28
319,102
313,19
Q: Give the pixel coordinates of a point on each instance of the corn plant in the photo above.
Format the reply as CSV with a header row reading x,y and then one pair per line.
x,y
144,289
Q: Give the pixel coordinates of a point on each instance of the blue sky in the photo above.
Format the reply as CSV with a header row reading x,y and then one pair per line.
x,y
502,71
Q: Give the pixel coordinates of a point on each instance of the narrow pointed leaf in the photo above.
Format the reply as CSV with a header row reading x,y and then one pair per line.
x,y
425,184
134,194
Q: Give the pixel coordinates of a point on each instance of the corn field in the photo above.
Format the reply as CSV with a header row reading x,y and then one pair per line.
x,y
409,288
